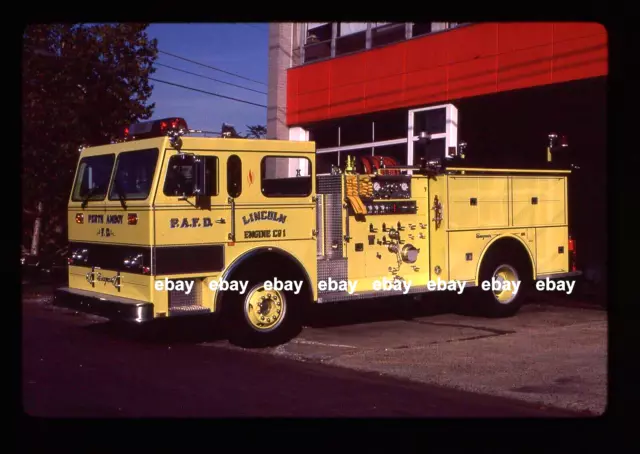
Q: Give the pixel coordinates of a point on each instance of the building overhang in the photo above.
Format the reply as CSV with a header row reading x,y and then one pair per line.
x,y
473,60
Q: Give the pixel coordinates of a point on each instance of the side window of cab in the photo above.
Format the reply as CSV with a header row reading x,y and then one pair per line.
x,y
180,179
234,176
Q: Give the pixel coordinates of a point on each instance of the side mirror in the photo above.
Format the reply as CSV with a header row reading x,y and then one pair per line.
x,y
194,179
200,176
201,187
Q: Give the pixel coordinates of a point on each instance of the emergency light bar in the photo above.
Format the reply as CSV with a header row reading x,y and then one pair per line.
x,y
156,128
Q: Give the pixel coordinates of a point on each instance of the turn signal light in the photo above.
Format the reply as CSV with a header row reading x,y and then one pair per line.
x,y
572,254
146,270
79,218
132,219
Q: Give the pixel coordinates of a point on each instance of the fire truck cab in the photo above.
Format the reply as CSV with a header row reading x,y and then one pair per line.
x,y
166,224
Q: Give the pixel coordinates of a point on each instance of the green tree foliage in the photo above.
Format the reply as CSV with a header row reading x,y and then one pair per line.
x,y
256,132
81,85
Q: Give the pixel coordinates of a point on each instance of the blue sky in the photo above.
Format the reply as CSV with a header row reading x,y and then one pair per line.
x,y
237,48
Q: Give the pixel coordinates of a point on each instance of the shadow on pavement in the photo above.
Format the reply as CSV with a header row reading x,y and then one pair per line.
x,y
179,330
378,310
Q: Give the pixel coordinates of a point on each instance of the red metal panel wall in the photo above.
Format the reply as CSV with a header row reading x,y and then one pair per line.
x,y
468,61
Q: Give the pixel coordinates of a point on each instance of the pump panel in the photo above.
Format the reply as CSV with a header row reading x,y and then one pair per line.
x,y
392,187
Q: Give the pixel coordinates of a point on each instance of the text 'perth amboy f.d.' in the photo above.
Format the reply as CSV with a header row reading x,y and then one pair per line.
x,y
165,205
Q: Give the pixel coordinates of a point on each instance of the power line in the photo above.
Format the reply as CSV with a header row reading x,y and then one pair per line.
x,y
206,92
211,78
211,67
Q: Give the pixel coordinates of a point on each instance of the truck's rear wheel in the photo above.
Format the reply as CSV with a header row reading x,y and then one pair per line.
x,y
502,268
263,316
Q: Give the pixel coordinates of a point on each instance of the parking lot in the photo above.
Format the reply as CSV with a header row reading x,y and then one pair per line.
x,y
553,353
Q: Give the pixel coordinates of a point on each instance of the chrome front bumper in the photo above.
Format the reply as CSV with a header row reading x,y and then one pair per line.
x,y
107,306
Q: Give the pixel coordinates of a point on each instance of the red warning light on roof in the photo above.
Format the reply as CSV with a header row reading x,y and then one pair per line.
x,y
156,128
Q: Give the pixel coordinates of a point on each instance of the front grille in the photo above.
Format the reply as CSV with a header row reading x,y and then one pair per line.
x,y
179,299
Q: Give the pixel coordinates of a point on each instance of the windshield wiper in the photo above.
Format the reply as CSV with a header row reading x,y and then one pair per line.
x,y
121,196
86,198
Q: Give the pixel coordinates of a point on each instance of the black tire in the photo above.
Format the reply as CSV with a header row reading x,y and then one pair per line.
x,y
511,262
240,310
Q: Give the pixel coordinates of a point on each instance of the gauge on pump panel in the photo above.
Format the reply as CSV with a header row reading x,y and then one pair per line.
x,y
376,186
404,186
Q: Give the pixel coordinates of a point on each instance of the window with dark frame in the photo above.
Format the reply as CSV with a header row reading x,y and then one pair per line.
x,y
211,169
325,135
285,176
421,28
352,37
397,151
433,121
356,130
318,41
390,125
180,178
134,174
93,177
325,161
434,150
234,176
387,34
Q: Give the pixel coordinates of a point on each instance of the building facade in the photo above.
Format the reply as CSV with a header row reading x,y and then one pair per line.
x,y
372,88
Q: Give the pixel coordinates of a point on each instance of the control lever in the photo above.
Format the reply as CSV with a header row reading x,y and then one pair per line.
x,y
400,226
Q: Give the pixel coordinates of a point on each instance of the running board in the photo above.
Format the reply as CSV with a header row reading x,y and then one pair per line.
x,y
188,310
328,297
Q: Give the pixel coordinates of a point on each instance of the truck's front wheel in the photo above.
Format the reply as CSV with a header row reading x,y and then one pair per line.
x,y
263,316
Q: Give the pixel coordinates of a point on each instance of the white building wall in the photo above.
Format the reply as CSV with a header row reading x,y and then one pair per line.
x,y
283,53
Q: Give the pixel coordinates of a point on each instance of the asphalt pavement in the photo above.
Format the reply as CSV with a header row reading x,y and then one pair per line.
x,y
79,366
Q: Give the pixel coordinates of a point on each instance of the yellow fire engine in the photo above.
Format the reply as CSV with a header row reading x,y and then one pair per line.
x,y
165,224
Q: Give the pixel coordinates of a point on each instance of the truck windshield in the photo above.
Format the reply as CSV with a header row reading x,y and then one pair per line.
x,y
92,179
134,175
